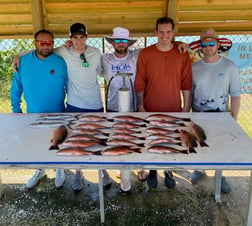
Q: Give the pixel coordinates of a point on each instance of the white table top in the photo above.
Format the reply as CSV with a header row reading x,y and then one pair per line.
x,y
22,146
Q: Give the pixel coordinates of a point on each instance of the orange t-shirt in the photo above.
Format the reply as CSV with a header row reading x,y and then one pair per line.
x,y
161,75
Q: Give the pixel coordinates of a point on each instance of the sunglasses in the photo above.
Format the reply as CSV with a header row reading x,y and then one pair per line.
x,y
44,43
84,63
205,44
117,41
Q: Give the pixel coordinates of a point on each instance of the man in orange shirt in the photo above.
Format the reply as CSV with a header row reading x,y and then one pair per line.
x,y
163,73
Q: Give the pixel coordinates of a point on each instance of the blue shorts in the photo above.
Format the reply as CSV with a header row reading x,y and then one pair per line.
x,y
70,108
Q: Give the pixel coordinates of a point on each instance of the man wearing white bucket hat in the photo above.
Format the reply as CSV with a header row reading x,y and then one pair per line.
x,y
215,80
123,60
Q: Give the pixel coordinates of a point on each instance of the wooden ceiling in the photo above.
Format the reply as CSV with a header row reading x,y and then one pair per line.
x,y
21,18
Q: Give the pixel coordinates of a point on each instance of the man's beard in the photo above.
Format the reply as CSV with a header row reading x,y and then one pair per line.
x,y
121,51
45,53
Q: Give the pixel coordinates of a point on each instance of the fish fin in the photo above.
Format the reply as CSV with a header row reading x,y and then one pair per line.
x,y
192,150
97,152
203,144
54,147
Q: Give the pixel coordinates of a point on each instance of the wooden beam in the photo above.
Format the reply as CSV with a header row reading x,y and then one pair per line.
x,y
37,15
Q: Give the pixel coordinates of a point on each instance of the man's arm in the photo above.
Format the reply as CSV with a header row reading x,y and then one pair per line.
x,y
16,91
186,100
140,98
235,106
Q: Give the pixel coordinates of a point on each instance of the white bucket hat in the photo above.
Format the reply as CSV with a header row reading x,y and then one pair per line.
x,y
120,33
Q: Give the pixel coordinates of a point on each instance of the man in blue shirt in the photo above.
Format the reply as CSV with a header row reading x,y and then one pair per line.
x,y
42,79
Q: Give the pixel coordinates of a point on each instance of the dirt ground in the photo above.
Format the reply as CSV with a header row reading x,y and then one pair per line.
x,y
185,205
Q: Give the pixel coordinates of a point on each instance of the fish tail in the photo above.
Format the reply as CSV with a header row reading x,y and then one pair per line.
x,y
203,144
146,121
110,120
176,131
180,143
137,150
140,145
184,152
143,125
105,134
103,141
192,150
181,124
54,147
186,119
97,152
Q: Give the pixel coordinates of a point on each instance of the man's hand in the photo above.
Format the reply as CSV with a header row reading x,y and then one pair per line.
x,y
15,63
68,44
182,47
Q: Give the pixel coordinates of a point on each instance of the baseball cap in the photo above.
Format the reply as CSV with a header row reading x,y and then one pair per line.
x,y
78,28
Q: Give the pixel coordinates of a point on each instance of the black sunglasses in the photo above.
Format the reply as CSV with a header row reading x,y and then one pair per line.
x,y
84,63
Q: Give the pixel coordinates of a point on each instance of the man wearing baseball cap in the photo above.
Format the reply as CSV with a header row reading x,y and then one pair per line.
x,y
215,82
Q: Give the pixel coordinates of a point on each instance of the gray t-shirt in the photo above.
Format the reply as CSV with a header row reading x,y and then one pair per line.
x,y
213,83
83,87
112,65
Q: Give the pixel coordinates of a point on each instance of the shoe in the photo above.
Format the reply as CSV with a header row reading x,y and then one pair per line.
x,y
225,186
60,178
152,179
169,180
77,184
32,182
196,176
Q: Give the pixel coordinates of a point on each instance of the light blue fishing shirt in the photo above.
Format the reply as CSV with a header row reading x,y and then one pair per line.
x,y
42,82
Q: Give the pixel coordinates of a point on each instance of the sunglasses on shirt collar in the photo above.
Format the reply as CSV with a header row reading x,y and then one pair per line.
x,y
205,44
117,41
44,43
84,63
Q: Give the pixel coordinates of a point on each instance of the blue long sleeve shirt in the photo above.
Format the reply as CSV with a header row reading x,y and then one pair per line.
x,y
42,82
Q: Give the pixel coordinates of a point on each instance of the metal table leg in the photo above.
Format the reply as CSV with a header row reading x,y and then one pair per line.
x,y
217,195
101,197
248,217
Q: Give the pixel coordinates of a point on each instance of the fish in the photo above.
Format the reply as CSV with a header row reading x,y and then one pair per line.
x,y
74,151
119,150
121,142
90,126
157,130
49,124
57,116
125,136
162,123
124,130
83,143
89,132
93,118
59,135
84,137
165,150
128,118
165,117
127,125
165,141
164,136
189,139
199,133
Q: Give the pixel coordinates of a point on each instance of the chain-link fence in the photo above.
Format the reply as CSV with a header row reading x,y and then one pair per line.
x,y
9,47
